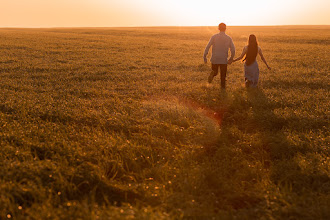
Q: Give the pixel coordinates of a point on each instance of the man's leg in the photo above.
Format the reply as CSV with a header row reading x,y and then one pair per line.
x,y
215,70
223,73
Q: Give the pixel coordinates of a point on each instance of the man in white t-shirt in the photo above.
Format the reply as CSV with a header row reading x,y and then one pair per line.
x,y
221,43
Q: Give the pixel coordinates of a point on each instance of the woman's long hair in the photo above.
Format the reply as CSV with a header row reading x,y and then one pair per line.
x,y
252,51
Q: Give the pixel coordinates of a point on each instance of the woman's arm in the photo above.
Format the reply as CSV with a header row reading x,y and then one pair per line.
x,y
263,58
241,56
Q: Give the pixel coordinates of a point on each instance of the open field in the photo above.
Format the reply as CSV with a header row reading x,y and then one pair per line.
x,y
119,122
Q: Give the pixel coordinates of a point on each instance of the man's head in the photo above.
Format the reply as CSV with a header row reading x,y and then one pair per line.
x,y
222,27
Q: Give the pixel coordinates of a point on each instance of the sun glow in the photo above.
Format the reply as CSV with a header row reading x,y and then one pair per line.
x,y
40,13
239,12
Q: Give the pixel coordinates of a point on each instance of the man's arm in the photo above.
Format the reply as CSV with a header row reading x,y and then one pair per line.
x,y
232,51
207,49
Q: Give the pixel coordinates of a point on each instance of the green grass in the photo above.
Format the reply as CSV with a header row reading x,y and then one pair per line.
x,y
100,123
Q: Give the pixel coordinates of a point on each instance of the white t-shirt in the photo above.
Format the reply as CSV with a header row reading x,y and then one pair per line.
x,y
220,43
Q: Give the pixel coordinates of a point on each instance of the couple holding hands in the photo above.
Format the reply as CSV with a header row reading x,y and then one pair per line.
x,y
221,43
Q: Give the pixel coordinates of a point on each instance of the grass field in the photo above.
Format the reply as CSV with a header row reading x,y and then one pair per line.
x,y
120,122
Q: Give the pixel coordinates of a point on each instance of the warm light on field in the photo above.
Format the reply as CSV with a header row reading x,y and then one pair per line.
x,y
120,123
104,13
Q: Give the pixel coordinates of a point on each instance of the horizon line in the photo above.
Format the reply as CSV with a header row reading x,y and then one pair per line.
x,y
152,26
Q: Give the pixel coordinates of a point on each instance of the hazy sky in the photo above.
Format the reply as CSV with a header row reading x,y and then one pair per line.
x,y
112,13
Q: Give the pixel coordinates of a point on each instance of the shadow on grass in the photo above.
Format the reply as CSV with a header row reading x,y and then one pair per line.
x,y
281,150
251,156
288,171
283,84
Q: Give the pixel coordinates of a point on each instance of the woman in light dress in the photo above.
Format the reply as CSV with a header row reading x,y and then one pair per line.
x,y
251,68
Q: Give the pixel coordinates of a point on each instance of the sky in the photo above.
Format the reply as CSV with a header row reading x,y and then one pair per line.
x,y
128,13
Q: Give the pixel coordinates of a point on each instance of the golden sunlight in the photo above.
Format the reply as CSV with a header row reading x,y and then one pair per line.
x,y
110,13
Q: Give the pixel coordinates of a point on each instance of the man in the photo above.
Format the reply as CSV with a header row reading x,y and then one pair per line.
x,y
220,43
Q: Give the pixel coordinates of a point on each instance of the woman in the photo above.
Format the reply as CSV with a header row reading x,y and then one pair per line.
x,y
251,68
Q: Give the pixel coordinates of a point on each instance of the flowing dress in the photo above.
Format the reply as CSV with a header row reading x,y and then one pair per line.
x,y
251,72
